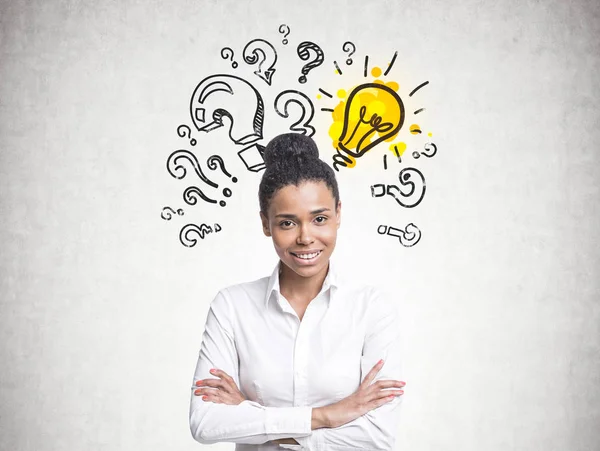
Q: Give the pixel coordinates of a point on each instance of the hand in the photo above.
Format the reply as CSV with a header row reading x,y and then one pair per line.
x,y
363,400
220,391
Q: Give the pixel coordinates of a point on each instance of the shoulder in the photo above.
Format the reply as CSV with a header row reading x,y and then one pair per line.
x,y
242,293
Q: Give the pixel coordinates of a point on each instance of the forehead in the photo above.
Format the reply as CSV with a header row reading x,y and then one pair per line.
x,y
307,196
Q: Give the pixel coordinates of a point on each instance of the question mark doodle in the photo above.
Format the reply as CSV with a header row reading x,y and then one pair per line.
x,y
407,237
175,168
286,31
216,161
304,52
252,156
415,193
201,231
349,47
262,53
302,125
167,213
226,52
192,193
181,133
227,95
428,151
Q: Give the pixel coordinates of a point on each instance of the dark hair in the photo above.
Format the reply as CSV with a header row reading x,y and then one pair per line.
x,y
291,159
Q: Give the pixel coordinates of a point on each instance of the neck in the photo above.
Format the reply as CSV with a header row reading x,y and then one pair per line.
x,y
298,288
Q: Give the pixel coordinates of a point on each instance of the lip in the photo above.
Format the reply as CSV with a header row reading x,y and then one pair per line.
x,y
303,261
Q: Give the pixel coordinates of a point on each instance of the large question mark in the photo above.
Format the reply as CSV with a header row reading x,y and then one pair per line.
x,y
302,125
178,171
349,47
286,31
261,52
304,52
219,96
181,133
226,52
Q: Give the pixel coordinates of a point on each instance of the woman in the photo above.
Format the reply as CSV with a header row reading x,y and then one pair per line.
x,y
304,346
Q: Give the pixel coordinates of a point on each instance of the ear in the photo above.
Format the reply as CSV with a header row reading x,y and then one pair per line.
x,y
339,214
265,224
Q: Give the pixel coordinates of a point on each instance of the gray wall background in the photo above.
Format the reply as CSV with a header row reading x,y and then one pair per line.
x,y
102,310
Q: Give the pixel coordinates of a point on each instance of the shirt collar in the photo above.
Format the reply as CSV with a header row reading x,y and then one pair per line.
x,y
331,281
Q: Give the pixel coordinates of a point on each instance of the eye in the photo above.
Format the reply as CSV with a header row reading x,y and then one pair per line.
x,y
321,219
286,224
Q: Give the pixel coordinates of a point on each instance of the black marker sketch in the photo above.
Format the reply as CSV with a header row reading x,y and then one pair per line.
x,y
391,63
415,193
430,151
304,52
178,170
397,154
252,156
325,93
181,132
418,87
330,110
385,161
302,125
167,213
419,110
385,130
227,54
366,65
230,96
351,48
261,52
215,162
286,31
337,68
201,231
407,237
193,193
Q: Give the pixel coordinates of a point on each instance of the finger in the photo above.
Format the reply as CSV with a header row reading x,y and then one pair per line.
x,y
204,391
371,374
389,384
216,383
381,401
385,394
226,378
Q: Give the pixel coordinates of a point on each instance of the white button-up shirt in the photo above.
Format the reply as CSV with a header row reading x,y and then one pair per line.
x,y
285,367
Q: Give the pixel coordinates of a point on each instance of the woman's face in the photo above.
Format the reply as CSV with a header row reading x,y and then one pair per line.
x,y
303,222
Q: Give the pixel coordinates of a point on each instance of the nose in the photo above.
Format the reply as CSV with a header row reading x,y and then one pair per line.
x,y
305,236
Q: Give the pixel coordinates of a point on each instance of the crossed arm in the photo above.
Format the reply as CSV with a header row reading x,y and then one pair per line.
x,y
365,420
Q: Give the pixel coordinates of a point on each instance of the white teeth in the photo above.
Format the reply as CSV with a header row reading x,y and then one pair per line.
x,y
307,256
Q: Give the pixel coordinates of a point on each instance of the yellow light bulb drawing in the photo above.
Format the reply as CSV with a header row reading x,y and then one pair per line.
x,y
373,113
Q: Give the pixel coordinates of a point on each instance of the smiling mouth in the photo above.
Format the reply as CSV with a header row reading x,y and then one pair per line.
x,y
306,256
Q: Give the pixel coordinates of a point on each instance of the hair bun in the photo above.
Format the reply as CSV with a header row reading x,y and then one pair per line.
x,y
290,147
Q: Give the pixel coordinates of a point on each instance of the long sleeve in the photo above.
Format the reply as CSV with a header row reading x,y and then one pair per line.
x,y
376,429
248,422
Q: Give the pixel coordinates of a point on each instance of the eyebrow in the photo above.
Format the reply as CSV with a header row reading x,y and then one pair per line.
x,y
314,212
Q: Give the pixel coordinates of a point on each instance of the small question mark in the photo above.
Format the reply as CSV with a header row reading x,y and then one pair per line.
x,y
286,31
304,50
167,213
349,47
226,52
430,151
181,133
215,162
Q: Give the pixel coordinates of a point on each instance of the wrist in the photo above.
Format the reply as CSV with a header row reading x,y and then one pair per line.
x,y
319,418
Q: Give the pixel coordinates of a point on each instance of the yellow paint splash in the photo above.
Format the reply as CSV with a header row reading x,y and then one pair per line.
x,y
377,102
401,146
376,72
415,129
